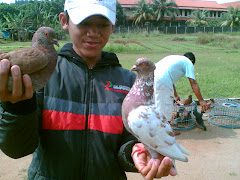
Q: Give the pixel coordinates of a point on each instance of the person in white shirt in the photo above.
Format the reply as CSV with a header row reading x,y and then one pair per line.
x,y
168,71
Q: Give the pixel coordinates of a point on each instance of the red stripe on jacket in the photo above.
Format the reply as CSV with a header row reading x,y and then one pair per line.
x,y
57,120
108,124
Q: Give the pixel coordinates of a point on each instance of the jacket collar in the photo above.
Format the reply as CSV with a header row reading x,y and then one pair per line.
x,y
108,58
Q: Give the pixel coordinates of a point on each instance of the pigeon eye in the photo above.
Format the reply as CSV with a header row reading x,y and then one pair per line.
x,y
46,34
143,64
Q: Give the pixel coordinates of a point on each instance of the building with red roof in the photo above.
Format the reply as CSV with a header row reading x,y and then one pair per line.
x,y
186,8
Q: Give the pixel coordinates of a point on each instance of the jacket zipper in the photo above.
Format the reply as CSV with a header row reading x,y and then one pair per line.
x,y
87,100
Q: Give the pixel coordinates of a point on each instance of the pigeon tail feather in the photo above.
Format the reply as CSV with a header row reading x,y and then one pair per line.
x,y
182,149
172,152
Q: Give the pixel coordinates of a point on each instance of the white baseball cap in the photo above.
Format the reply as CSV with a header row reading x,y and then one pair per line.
x,y
79,10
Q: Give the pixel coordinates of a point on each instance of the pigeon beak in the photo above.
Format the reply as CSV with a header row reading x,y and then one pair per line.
x,y
134,68
54,41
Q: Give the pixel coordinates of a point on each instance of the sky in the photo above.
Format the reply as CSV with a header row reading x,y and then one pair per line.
x,y
7,1
222,1
218,1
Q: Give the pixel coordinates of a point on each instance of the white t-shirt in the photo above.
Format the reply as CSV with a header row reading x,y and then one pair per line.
x,y
172,68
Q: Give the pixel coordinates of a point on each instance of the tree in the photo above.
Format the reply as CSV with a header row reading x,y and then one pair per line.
x,y
161,7
29,16
232,17
41,13
120,14
35,12
142,13
56,6
15,22
7,8
213,22
199,18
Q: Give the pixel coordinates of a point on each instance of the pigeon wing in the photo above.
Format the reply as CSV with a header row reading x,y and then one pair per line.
x,y
30,59
151,129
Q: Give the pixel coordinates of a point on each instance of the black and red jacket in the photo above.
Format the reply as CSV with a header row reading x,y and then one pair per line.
x,y
74,126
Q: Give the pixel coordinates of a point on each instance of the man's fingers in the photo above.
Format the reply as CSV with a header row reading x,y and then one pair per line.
x,y
17,83
173,171
28,86
157,169
153,169
164,168
4,76
203,109
140,161
146,168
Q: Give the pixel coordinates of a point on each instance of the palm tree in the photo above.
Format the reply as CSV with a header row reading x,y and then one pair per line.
x,y
142,13
162,7
35,13
40,13
232,17
199,18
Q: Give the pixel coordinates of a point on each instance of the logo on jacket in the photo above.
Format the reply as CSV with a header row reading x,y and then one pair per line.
x,y
117,88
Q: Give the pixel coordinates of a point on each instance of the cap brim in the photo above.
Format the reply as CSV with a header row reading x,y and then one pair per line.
x,y
78,14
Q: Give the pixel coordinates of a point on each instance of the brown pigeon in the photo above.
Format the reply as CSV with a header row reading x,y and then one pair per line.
x,y
144,120
39,60
210,104
185,101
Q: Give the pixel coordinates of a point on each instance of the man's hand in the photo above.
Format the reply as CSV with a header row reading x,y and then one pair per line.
x,y
17,93
151,168
204,106
177,98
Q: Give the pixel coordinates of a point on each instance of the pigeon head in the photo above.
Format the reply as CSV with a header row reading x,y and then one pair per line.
x,y
45,36
143,66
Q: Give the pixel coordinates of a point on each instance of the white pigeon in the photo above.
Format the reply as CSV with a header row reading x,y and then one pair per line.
x,y
144,120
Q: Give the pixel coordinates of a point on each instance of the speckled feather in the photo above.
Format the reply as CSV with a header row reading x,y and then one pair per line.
x,y
38,61
144,120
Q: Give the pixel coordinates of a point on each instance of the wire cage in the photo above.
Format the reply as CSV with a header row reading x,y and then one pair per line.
x,y
226,113
183,117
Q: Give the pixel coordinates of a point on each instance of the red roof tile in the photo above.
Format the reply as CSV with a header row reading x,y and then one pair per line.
x,y
233,4
183,4
195,3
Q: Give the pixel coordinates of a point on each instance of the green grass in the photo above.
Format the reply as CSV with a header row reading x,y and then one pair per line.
x,y
7,46
217,68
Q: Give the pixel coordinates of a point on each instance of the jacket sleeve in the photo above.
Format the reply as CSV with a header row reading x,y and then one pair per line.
x,y
19,127
125,152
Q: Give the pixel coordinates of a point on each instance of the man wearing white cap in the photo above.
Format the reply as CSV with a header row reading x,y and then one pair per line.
x,y
73,126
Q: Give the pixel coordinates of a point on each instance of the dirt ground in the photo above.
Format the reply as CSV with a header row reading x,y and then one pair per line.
x,y
215,156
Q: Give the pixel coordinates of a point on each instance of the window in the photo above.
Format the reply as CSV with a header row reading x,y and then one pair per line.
x,y
214,14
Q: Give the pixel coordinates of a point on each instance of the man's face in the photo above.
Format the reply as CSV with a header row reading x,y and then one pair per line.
x,y
90,36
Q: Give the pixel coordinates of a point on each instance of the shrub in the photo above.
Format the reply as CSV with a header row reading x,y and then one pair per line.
x,y
204,38
235,45
219,40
